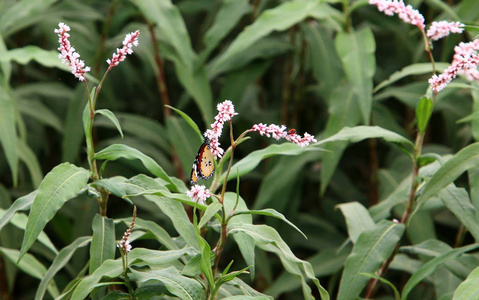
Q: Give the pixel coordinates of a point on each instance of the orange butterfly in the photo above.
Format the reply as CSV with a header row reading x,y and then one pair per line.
x,y
203,166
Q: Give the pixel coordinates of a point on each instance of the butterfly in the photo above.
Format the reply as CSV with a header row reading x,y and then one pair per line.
x,y
203,166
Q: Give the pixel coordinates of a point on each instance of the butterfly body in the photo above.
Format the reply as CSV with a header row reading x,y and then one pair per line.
x,y
203,166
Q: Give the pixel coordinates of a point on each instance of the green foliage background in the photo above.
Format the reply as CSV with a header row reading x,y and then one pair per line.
x,y
317,66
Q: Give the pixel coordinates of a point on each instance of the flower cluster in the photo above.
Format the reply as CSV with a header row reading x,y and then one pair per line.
x,y
441,29
125,244
279,132
226,111
465,62
131,39
405,12
199,193
68,55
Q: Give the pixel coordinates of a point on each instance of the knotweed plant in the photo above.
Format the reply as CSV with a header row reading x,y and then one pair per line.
x,y
465,62
188,267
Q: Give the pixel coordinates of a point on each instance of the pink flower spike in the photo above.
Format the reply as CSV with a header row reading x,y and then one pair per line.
x,y
125,244
131,39
68,55
465,62
279,132
199,193
441,29
216,150
406,13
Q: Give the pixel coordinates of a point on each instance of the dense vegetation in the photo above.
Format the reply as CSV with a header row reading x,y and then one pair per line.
x,y
383,203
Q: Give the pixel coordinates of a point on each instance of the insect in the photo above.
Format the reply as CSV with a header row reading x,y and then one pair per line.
x,y
292,131
203,166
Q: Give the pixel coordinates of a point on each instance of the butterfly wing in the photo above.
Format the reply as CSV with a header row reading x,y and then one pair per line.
x,y
207,165
194,174
195,170
203,166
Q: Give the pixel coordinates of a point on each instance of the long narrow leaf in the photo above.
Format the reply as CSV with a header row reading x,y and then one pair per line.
x,y
31,266
22,203
271,213
357,219
58,263
103,241
356,50
8,134
372,248
111,116
118,151
60,184
462,161
431,266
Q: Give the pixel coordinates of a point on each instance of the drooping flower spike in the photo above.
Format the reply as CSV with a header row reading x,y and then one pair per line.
x,y
465,62
68,55
441,29
405,12
279,132
131,39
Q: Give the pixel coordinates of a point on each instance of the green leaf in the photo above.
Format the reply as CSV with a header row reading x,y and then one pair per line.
x,y
244,297
118,151
188,120
111,116
103,243
114,268
172,28
279,18
462,161
397,296
227,17
205,261
180,286
325,62
372,248
6,67
245,242
61,184
414,69
356,50
31,266
458,202
444,7
8,134
58,263
423,113
357,218
40,112
22,203
73,134
29,158
359,133
469,288
270,213
168,203
210,211
429,267
45,58
156,230
264,49
19,220
250,162
268,239
14,15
